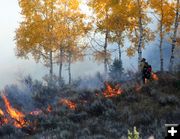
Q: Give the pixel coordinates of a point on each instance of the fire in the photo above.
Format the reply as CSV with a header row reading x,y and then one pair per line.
x,y
14,114
17,118
3,119
155,77
1,112
146,81
39,112
36,112
68,103
49,108
111,92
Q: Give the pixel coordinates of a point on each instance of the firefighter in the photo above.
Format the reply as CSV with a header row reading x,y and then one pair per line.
x,y
146,72
142,65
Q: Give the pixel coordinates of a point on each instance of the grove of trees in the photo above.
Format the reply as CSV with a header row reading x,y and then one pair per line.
x,y
58,31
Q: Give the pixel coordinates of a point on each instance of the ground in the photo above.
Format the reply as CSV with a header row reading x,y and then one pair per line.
x,y
90,114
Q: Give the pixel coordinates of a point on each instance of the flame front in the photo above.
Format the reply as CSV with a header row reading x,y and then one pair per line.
x,y
16,117
14,114
155,77
68,103
111,92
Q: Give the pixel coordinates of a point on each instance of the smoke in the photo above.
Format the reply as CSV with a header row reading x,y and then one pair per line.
x,y
152,54
20,96
91,82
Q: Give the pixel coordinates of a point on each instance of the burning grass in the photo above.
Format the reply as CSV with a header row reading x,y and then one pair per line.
x,y
155,77
1,112
71,105
106,113
112,92
18,116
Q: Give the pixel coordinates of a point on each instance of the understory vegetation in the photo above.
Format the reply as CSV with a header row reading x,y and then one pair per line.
x,y
93,116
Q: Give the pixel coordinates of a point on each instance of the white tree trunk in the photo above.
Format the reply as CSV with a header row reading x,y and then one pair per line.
x,y
161,39
140,35
105,53
119,49
51,63
60,64
174,36
69,67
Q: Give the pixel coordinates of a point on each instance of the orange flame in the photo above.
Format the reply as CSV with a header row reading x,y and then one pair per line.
x,y
15,114
111,92
3,119
49,108
68,103
1,112
155,77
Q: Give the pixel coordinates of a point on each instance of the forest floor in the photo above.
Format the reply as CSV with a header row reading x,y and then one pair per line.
x,y
92,114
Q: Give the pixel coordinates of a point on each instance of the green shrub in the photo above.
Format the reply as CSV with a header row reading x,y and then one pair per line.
x,y
134,134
